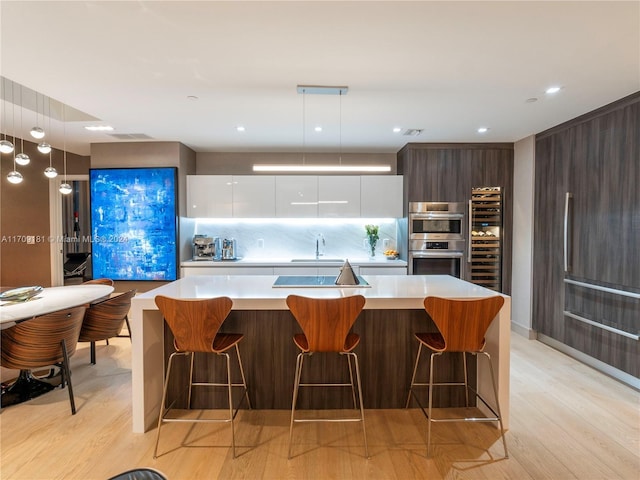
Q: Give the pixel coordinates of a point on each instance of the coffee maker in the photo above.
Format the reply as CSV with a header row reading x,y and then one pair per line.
x,y
228,249
205,247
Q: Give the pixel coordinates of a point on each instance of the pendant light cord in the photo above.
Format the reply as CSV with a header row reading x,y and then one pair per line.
x,y
304,130
340,128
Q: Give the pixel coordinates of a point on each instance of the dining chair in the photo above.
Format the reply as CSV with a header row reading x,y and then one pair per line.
x,y
104,320
42,341
326,325
195,325
462,326
143,473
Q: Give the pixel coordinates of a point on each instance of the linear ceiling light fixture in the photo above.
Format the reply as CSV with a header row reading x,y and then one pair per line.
x,y
306,168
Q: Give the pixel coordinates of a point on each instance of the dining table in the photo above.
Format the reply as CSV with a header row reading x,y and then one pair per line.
x,y
46,300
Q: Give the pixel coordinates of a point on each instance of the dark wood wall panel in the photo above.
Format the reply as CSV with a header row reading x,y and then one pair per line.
x,y
386,354
447,173
596,158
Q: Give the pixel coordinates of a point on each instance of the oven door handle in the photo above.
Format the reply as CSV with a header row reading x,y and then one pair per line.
x,y
448,254
436,216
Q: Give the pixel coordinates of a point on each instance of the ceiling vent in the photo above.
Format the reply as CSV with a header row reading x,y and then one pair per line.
x,y
130,136
413,132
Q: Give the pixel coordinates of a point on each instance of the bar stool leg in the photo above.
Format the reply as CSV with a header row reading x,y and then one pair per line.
x,y
495,393
353,390
162,404
191,359
296,385
244,381
364,431
229,387
466,379
430,415
413,378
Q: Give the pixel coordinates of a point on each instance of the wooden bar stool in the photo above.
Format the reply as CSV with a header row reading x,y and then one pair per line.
x,y
326,324
195,325
462,326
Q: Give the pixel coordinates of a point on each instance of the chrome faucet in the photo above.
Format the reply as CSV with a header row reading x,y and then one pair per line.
x,y
319,248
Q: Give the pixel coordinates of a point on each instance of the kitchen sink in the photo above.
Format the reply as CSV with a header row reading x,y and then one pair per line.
x,y
323,260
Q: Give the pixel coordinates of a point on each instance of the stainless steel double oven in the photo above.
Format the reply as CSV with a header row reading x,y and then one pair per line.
x,y
436,238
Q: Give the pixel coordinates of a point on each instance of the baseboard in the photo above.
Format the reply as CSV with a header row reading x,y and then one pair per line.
x,y
523,331
613,372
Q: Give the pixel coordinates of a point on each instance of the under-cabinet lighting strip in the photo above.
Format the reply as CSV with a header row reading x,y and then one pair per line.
x,y
600,325
321,168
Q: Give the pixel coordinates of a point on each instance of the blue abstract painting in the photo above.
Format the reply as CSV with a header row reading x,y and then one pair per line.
x,y
134,223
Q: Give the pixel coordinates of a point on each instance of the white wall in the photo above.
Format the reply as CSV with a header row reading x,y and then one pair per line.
x,y
522,265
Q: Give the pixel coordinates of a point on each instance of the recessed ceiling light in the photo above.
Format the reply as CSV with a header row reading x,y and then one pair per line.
x,y
318,128
99,128
483,130
552,90
397,129
240,128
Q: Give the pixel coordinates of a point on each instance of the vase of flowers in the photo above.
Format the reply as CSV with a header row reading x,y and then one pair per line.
x,y
372,237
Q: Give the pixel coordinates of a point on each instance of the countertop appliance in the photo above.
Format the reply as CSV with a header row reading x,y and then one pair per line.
x,y
436,238
205,247
229,249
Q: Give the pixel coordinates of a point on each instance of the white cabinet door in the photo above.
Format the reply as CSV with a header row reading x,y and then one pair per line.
x,y
209,196
296,196
339,196
381,196
295,271
193,271
383,270
254,196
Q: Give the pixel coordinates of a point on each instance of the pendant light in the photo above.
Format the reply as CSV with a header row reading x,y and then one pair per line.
x,y
22,158
50,172
5,145
13,176
44,147
65,188
37,132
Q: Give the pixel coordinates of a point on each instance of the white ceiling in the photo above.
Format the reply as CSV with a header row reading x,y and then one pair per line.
x,y
445,67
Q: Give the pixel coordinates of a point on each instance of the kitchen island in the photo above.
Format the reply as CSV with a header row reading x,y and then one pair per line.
x,y
393,312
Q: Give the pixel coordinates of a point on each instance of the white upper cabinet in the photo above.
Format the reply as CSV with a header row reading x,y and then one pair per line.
x,y
209,196
254,196
339,196
381,196
296,196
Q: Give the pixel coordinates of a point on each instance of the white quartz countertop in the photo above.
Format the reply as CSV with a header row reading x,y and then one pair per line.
x,y
256,292
378,261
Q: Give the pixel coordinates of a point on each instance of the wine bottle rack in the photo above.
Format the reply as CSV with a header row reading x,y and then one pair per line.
x,y
486,237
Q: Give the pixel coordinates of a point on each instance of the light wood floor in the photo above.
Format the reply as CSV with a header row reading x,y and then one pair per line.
x,y
567,422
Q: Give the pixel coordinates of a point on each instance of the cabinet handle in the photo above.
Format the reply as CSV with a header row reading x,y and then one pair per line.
x,y
469,232
567,233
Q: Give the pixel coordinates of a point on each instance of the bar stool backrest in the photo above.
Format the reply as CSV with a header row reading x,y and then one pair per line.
x,y
36,342
463,323
326,321
194,323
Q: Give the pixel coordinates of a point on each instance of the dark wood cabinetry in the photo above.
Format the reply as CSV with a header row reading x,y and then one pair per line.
x,y
437,172
596,159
